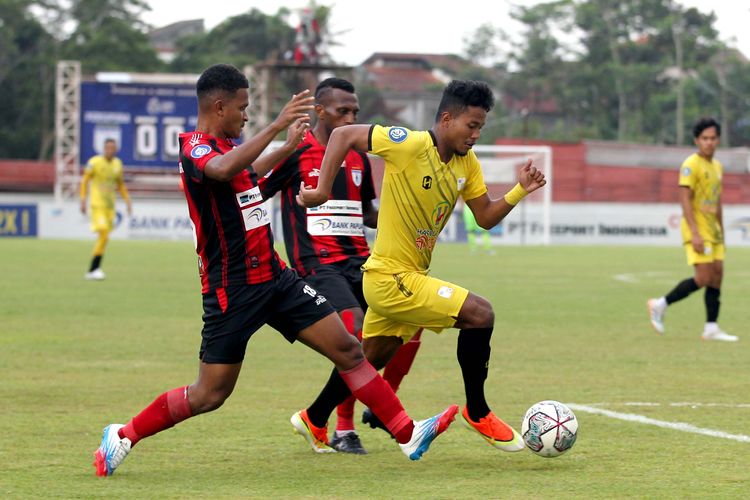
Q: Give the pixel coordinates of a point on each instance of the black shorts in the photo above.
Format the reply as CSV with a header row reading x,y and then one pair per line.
x,y
340,283
232,315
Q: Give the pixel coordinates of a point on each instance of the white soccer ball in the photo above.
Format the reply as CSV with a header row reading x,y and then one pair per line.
x,y
549,428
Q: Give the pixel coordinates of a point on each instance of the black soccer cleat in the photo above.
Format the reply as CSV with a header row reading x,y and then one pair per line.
x,y
369,418
348,443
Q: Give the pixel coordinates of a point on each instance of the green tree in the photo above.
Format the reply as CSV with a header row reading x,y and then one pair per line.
x,y
108,35
240,40
26,82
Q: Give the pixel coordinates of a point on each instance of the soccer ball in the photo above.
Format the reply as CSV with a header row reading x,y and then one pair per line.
x,y
549,428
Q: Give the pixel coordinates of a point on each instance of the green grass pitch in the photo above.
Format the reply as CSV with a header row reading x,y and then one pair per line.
x,y
571,325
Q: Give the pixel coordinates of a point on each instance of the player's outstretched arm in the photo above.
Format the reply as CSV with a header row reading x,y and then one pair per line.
x,y
294,136
226,166
488,212
341,141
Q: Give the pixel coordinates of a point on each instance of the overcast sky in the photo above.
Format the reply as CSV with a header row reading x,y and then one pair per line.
x,y
429,26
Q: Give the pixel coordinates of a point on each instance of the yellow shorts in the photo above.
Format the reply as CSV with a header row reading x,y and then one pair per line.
x,y
400,304
102,219
711,252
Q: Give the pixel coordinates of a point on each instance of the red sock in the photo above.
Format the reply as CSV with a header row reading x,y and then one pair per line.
x,y
401,362
169,409
345,411
345,415
369,387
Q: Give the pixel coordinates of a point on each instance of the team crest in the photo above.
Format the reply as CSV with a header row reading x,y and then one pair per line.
x,y
357,177
397,134
438,215
200,151
685,171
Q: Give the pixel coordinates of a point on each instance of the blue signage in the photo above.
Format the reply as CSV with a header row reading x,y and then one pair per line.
x,y
145,120
18,220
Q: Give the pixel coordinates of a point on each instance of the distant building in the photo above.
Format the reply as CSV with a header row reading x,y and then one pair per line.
x,y
411,84
165,39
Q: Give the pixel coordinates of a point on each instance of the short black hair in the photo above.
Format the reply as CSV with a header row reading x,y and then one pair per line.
x,y
109,139
223,77
329,84
460,94
704,123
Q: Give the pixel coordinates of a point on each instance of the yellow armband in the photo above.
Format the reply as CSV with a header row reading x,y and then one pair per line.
x,y
515,195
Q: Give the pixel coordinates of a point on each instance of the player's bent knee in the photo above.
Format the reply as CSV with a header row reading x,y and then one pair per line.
x,y
349,354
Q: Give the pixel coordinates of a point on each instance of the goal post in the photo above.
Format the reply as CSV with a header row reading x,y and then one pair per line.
x,y
530,222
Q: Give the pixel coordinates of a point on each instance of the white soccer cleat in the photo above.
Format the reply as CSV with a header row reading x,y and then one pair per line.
x,y
111,452
95,275
719,336
656,315
425,432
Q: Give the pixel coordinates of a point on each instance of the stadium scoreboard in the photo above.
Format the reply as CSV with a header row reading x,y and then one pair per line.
x,y
144,118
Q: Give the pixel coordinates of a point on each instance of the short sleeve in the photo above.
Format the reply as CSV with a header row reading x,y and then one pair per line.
x,y
474,186
281,176
687,175
89,168
397,145
194,154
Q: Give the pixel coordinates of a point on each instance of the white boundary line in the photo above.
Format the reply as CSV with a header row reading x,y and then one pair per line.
x,y
676,404
677,426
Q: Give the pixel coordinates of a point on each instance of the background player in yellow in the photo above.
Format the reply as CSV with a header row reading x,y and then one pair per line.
x,y
702,231
425,173
104,172
476,235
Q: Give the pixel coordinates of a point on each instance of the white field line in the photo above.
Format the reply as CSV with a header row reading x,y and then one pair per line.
x,y
677,426
658,276
676,404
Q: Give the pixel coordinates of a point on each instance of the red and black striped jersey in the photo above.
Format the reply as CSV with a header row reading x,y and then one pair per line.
x,y
231,221
333,231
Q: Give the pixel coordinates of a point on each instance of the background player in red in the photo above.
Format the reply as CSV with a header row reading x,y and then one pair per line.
x,y
327,245
244,282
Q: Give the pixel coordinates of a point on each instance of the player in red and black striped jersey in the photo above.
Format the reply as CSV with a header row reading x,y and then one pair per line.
x,y
245,283
327,244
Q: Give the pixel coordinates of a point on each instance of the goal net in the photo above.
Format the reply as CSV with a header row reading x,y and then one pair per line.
x,y
529,222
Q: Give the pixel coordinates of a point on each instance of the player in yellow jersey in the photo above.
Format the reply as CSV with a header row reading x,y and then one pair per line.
x,y
702,231
425,174
104,172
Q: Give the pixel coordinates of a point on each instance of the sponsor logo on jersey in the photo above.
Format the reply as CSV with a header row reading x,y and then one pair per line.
x,y
445,291
461,183
357,177
194,139
424,242
686,171
256,216
426,182
314,173
200,151
335,226
397,134
249,197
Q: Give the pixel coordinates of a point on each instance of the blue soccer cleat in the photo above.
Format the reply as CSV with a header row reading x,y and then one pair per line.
x,y
425,431
111,452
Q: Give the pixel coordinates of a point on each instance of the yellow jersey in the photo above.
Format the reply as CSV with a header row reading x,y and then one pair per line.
x,y
418,196
703,177
105,177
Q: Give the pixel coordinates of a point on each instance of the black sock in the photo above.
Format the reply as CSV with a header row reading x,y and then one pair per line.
x,y
682,290
473,354
95,262
333,394
712,304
